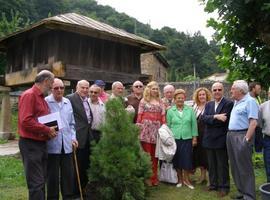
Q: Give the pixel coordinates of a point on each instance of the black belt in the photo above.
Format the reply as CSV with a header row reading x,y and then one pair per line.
x,y
240,130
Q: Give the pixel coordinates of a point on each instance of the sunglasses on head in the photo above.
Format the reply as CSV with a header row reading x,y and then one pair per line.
x,y
138,86
93,92
217,90
57,88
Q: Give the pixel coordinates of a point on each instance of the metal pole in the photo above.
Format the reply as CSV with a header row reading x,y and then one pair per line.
x,y
194,74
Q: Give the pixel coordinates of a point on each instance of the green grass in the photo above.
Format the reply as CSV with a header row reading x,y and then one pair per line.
x,y
12,179
170,192
13,186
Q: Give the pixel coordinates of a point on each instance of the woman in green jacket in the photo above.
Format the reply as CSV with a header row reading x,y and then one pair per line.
x,y
182,121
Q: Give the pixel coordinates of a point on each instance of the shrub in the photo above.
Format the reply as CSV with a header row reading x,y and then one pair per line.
x,y
118,164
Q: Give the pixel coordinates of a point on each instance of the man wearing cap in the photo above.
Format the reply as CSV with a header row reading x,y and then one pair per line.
x,y
103,95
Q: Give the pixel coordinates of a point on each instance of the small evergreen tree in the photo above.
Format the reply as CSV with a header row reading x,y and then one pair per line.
x,y
118,164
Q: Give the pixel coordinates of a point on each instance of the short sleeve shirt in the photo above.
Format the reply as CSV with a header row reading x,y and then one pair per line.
x,y
242,111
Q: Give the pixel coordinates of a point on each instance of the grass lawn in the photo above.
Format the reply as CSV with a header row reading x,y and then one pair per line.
x,y
13,186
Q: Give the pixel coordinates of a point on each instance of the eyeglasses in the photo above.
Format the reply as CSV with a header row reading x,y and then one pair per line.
x,y
93,92
138,86
57,88
214,90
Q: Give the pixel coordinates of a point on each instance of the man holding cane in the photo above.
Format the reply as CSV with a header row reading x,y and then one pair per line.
x,y
60,163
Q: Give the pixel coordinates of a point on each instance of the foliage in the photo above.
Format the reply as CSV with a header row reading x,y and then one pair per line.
x,y
258,161
8,26
243,30
118,165
183,50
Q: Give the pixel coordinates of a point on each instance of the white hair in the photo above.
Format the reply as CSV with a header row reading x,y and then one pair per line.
x,y
241,85
116,83
168,87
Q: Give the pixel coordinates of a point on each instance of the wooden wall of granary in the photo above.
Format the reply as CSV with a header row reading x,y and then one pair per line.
x,y
73,49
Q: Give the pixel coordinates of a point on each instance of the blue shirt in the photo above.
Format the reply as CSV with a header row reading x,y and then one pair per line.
x,y
242,111
67,134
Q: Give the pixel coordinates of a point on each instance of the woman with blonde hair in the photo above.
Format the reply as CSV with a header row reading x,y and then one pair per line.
x,y
151,115
182,121
201,96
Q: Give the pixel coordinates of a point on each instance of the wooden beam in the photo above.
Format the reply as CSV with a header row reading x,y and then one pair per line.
x,y
24,77
78,73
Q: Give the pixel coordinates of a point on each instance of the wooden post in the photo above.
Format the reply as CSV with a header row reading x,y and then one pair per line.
x,y
5,115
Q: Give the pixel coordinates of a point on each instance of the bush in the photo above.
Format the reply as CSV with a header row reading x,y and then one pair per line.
x,y
118,164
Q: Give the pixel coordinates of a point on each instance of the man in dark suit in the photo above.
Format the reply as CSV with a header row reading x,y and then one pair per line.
x,y
216,117
83,119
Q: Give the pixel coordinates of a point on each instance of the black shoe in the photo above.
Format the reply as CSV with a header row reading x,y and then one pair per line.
x,y
237,197
211,188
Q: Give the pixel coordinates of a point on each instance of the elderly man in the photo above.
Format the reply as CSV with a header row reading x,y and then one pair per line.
x,y
33,135
60,163
216,118
103,95
168,92
136,96
117,89
98,110
242,126
83,119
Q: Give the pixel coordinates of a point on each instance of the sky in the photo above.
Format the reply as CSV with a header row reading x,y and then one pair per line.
x,y
184,15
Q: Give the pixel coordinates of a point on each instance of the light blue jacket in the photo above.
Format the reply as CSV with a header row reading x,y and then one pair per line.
x,y
67,134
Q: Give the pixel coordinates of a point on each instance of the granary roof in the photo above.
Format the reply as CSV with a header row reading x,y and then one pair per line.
x,y
73,22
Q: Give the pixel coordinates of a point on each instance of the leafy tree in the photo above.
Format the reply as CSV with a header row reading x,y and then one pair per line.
x,y
7,27
243,30
118,165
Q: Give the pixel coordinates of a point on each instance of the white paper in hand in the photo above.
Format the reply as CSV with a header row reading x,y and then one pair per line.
x,y
50,118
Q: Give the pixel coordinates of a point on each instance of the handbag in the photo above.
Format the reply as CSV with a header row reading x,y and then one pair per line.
x,y
167,173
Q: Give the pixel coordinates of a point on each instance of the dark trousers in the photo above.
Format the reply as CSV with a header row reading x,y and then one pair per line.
x,y
83,161
240,156
34,156
60,166
218,169
266,155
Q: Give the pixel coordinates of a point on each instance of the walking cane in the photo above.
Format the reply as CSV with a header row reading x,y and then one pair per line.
x,y
77,172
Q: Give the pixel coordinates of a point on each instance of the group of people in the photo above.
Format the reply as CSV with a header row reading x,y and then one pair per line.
x,y
208,134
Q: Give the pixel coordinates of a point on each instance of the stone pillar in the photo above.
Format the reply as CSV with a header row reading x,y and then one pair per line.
x,y
5,115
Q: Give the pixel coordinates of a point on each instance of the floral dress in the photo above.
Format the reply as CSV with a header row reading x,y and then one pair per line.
x,y
150,118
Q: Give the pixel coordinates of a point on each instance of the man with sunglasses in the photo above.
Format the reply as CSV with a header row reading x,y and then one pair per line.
x,y
135,97
216,118
60,162
98,110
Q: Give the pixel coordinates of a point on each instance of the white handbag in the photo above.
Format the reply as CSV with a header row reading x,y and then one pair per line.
x,y
167,173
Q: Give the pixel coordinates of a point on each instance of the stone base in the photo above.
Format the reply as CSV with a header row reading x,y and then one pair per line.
x,y
7,136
